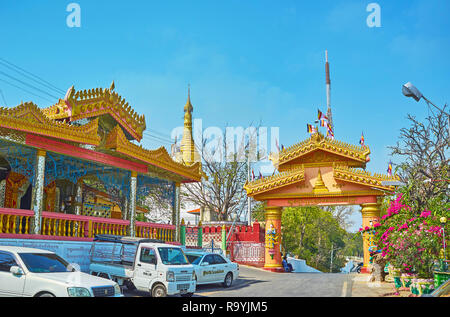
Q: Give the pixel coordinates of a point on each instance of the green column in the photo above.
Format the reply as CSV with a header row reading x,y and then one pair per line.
x,y
200,235
182,233
224,239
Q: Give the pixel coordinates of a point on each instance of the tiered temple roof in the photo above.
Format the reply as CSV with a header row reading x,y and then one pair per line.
x,y
98,118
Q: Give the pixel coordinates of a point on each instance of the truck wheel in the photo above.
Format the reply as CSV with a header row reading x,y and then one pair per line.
x,y
228,280
159,291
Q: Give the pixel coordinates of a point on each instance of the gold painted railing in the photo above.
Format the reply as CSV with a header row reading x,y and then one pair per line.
x,y
155,231
16,223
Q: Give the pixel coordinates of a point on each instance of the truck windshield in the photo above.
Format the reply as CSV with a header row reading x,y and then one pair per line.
x,y
44,263
172,256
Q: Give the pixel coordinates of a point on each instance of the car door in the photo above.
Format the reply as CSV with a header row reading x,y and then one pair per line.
x,y
10,284
145,269
222,267
207,271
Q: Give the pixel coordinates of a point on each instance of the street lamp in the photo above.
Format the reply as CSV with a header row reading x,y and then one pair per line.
x,y
409,90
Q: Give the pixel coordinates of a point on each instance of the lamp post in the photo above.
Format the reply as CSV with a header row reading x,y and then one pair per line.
x,y
409,90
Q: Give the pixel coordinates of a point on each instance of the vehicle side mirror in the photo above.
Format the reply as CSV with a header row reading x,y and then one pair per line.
x,y
15,270
204,263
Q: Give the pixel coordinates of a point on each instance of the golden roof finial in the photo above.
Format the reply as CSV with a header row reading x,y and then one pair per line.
x,y
112,86
188,107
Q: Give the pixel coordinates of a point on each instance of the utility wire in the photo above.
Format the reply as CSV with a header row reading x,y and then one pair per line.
x,y
32,93
31,76
3,96
26,84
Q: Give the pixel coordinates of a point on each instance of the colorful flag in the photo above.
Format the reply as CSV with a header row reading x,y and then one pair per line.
x,y
253,175
311,129
330,133
260,176
389,170
362,140
323,123
321,116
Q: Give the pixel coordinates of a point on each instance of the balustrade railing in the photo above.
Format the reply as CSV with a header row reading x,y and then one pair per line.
x,y
155,231
17,223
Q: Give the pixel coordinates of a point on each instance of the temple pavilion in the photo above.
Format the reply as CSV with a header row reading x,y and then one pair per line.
x,y
75,169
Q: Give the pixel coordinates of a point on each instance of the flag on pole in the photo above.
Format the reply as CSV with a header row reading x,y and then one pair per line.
x,y
389,170
323,123
276,143
362,139
321,116
253,175
311,129
330,133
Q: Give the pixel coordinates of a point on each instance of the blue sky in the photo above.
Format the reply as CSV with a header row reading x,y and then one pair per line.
x,y
247,61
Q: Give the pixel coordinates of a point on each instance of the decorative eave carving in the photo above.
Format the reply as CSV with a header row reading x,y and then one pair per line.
x,y
273,182
357,176
117,141
96,102
27,117
318,141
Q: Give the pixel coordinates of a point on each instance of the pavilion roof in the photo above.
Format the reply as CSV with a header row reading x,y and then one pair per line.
x,y
355,155
27,117
98,102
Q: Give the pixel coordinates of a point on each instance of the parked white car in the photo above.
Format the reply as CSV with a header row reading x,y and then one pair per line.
x,y
213,268
27,272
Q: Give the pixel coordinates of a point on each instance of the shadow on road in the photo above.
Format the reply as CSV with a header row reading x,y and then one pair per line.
x,y
240,283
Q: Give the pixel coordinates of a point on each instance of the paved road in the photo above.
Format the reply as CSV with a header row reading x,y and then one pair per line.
x,y
254,282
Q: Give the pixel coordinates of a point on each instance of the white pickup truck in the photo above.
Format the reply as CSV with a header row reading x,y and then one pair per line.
x,y
145,264
27,272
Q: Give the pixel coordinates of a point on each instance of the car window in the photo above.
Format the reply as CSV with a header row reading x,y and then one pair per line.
x,y
148,256
194,258
44,263
218,259
6,261
209,258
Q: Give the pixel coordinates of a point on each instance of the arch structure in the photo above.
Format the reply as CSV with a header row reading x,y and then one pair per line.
x,y
318,171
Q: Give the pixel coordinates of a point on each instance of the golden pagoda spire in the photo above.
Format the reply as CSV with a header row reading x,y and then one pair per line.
x,y
187,148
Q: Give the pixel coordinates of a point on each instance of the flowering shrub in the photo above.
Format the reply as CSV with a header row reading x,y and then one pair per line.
x,y
407,241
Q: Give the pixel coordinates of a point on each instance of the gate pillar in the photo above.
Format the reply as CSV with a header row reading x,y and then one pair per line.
x,y
273,239
370,215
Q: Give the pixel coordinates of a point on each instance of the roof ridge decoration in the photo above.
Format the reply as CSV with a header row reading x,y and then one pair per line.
x,y
160,157
29,118
318,141
354,175
282,179
95,102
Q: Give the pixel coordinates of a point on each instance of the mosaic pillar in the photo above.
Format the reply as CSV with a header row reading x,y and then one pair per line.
x,y
38,190
132,203
125,209
273,239
370,213
182,232
2,193
79,198
176,211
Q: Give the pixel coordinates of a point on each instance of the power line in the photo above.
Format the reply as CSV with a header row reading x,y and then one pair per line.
x,y
158,137
3,96
30,75
32,93
26,84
